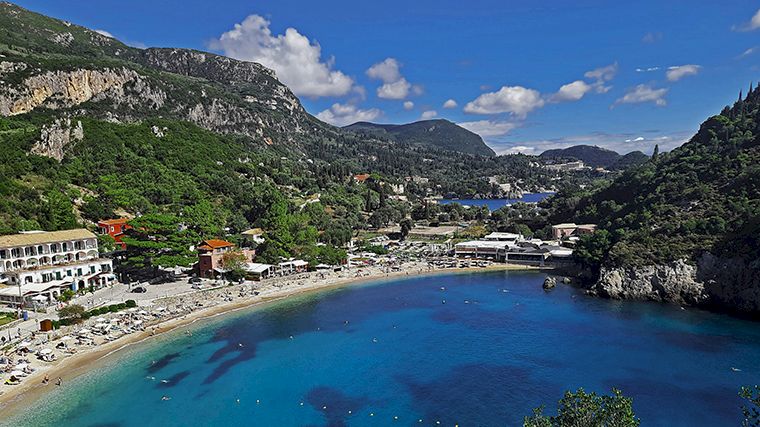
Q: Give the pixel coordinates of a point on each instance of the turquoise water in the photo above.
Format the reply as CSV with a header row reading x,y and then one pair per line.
x,y
498,347
494,204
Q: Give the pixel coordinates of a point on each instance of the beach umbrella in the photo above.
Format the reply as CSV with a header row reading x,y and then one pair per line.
x,y
65,338
100,320
21,366
143,313
132,310
18,374
101,325
160,308
138,322
84,331
46,351
25,344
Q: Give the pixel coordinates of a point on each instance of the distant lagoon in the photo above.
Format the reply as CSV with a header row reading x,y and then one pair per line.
x,y
361,356
494,204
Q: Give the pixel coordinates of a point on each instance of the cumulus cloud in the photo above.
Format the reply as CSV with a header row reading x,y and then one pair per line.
x,y
571,91
429,114
676,73
644,93
752,25
396,90
394,86
105,33
515,100
408,105
450,103
647,70
489,128
296,59
388,70
346,114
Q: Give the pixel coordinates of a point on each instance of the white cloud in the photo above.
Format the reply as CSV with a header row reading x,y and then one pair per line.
x,y
644,93
748,52
396,90
603,74
450,103
572,91
408,105
677,72
105,33
489,128
753,24
637,139
346,114
647,70
394,86
296,59
387,71
516,100
427,115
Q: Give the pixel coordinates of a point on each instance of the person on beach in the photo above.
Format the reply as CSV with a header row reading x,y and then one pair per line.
x,y
46,379
59,381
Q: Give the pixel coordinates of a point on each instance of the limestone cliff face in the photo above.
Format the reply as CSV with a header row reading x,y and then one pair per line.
x,y
56,137
714,282
65,89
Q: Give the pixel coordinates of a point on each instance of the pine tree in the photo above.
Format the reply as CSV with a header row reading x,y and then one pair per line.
x,y
656,152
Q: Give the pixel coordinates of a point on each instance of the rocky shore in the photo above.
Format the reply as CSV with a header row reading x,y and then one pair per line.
x,y
731,285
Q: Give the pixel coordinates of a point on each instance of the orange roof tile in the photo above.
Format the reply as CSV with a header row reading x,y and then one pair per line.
x,y
215,244
113,221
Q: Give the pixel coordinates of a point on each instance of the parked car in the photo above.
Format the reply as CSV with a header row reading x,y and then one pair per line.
x,y
139,290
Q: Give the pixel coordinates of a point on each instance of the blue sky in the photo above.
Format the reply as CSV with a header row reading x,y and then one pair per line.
x,y
527,76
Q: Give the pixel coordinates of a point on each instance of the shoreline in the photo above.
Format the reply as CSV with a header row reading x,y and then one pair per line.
x,y
32,388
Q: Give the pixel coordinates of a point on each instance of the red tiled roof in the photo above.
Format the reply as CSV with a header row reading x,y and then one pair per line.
x,y
361,177
215,244
116,221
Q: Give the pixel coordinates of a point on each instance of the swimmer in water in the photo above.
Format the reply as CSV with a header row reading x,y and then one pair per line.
x,y
165,398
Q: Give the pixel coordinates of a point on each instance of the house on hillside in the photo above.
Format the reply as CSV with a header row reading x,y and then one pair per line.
x,y
210,254
361,177
561,231
115,228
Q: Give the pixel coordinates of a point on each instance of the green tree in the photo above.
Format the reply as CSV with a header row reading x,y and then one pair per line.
x,y
72,313
583,409
406,226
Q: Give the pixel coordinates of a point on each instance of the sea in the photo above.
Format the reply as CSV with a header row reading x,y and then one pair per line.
x,y
494,204
466,349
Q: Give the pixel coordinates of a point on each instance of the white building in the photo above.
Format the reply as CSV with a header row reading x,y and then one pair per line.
x,y
41,265
503,237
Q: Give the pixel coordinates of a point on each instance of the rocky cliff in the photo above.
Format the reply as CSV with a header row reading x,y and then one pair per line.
x,y
713,282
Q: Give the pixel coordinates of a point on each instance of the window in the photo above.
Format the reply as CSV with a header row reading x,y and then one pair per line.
x,y
79,271
68,273
58,275
112,229
92,269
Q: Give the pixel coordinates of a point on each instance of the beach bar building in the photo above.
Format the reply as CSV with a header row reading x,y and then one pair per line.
x,y
38,265
259,271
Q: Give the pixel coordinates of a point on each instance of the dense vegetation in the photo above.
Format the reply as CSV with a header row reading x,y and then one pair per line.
x,y
702,196
438,133
596,157
588,410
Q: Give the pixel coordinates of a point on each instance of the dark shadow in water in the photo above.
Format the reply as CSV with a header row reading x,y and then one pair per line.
x,y
292,318
481,394
174,380
334,405
163,362
705,343
711,406
106,425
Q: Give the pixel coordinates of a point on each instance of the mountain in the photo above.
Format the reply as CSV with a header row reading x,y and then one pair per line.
x,y
92,128
437,133
685,226
596,156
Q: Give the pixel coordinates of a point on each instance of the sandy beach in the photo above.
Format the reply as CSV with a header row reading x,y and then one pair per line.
x,y
173,312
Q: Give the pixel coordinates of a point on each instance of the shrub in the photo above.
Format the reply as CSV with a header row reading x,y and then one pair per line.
x,y
131,303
